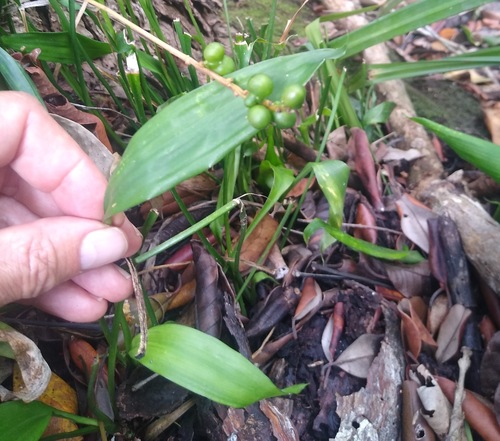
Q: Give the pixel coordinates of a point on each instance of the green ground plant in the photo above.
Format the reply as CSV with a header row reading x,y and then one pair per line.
x,y
253,91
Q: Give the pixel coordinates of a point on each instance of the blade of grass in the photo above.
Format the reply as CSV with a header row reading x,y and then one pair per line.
x,y
411,17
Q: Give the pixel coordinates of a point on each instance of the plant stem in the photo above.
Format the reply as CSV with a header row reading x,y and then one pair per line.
x,y
227,82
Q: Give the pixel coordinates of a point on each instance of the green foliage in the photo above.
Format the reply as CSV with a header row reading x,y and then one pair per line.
x,y
481,153
14,77
206,366
189,135
55,46
362,246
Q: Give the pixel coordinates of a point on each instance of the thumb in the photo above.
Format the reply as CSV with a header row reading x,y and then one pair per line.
x,y
40,255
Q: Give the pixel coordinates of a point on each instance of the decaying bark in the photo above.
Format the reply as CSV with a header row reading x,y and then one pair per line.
x,y
480,234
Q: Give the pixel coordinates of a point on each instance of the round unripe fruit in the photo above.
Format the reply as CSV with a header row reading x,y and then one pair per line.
x,y
293,96
213,53
261,85
251,100
284,120
259,116
226,66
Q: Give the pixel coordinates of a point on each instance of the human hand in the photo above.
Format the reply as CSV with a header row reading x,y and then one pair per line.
x,y
55,253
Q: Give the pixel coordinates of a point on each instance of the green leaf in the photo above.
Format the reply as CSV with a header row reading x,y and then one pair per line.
x,y
414,16
482,154
332,178
16,77
206,366
391,71
23,421
361,245
55,46
195,131
378,114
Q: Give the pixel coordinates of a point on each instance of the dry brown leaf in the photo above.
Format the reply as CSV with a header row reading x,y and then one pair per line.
x,y
479,416
414,216
62,396
414,425
451,332
489,373
436,408
413,314
410,280
253,247
492,120
310,299
34,370
357,358
438,310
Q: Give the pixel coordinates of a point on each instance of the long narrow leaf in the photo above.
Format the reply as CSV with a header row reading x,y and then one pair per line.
x,y
361,245
55,46
391,71
15,76
406,19
195,131
206,366
482,154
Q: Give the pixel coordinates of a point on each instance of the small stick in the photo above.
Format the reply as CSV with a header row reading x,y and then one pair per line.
x,y
141,310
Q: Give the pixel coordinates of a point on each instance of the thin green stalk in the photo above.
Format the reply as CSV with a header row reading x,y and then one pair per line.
x,y
188,232
270,31
265,252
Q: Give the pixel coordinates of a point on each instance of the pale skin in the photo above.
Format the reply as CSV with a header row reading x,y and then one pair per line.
x,y
55,251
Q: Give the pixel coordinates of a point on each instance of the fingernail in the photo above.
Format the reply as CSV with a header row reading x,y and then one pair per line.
x,y
101,247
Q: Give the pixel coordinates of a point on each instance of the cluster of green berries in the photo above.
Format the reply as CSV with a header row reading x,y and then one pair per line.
x,y
217,60
261,113
259,87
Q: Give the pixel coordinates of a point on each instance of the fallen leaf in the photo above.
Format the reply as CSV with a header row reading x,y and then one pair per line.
x,y
489,373
438,309
62,396
364,165
410,280
333,331
414,216
436,408
413,313
479,416
357,358
366,218
310,299
254,245
414,425
34,370
492,120
451,332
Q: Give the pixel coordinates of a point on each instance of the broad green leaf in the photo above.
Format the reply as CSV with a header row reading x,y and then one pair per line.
x,y
332,178
361,245
411,17
15,76
195,131
378,114
55,46
280,179
391,71
206,366
23,421
482,154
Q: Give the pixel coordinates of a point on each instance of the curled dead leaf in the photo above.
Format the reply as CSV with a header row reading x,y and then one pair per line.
x,y
34,370
450,333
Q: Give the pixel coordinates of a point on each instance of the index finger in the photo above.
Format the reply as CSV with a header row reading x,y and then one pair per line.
x,y
47,158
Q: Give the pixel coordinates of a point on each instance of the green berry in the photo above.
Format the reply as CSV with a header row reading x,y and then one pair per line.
x,y
213,53
251,100
284,120
293,96
226,66
261,85
259,116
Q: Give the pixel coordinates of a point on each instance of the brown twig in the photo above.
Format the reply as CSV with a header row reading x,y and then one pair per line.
x,y
141,310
